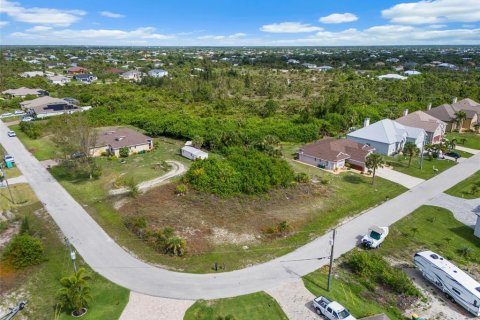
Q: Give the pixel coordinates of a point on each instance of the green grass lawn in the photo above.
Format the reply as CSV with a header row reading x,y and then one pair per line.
x,y
463,189
400,163
349,293
22,195
472,139
42,148
39,284
436,229
463,153
256,306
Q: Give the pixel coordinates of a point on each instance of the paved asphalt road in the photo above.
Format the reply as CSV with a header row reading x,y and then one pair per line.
x,y
114,263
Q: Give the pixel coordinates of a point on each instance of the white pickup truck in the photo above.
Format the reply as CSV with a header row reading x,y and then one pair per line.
x,y
331,310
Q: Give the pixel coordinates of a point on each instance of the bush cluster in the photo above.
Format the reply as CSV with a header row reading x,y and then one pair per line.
x,y
31,129
23,251
162,240
374,270
244,170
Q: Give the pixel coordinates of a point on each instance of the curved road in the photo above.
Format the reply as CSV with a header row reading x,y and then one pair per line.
x,y
114,263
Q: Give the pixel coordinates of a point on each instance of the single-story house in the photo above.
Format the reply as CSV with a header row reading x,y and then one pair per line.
x,y
134,75
47,106
392,76
110,141
446,113
31,74
60,80
23,92
85,78
193,153
77,70
388,137
332,154
158,73
434,127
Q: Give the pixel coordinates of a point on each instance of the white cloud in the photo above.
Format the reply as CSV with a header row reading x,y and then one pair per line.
x,y
437,26
110,14
339,18
3,23
289,27
434,11
90,36
37,15
387,35
39,29
213,37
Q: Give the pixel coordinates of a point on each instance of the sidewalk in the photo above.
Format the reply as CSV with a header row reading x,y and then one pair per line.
x,y
468,150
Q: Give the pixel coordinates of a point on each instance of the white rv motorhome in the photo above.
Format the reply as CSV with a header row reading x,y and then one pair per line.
x,y
447,277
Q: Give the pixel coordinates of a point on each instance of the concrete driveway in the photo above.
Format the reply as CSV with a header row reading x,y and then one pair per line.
x,y
464,210
398,177
110,260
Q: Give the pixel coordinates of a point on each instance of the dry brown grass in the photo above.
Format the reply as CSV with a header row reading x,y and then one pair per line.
x,y
206,220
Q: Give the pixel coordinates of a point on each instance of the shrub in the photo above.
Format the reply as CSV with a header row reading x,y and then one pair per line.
x,y
302,177
175,245
31,129
124,152
23,251
372,267
181,189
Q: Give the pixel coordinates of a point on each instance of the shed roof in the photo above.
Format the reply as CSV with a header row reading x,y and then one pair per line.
x,y
194,151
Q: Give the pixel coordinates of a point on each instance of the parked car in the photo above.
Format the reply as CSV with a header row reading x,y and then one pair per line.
x,y
8,158
453,154
375,236
27,119
331,310
11,133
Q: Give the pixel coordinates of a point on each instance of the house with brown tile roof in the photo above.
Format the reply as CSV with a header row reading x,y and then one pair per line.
x,y
77,70
111,140
434,127
332,154
446,112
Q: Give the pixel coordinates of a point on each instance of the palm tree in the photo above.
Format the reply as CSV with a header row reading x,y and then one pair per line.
x,y
460,116
75,293
452,144
175,245
411,150
373,162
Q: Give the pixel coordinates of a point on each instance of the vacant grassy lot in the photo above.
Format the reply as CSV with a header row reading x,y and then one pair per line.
x,y
354,296
256,306
433,228
39,284
42,148
465,189
400,163
472,140
22,195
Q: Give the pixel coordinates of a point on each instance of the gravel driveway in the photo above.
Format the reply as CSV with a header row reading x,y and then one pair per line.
x,y
143,307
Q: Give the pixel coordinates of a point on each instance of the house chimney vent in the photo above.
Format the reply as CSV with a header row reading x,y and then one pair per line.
x,y
366,122
454,100
405,112
429,107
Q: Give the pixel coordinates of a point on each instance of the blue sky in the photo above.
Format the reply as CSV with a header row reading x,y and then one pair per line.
x,y
247,22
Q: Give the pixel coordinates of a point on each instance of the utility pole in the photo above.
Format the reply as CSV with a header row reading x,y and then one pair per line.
x,y
330,269
6,182
72,254
421,153
14,311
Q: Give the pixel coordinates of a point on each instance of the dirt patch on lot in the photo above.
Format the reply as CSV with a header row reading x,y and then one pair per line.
x,y
206,220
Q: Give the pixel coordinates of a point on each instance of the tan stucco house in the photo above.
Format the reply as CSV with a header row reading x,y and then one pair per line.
x,y
111,140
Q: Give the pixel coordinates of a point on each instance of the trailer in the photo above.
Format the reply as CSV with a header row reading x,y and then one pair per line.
x,y
455,283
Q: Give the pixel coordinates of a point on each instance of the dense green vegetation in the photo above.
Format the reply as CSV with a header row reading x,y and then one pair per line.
x,y
468,188
23,251
242,171
255,306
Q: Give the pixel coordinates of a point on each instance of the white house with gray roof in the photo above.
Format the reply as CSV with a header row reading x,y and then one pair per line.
x,y
388,137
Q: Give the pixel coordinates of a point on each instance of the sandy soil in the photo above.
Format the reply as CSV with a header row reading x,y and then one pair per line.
x,y
143,307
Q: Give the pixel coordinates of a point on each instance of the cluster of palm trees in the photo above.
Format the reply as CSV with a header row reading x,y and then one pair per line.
x,y
444,146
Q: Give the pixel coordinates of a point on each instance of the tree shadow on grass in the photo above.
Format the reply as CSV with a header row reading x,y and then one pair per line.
x,y
354,179
466,233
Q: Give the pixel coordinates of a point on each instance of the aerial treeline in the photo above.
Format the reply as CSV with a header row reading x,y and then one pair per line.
x,y
243,170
